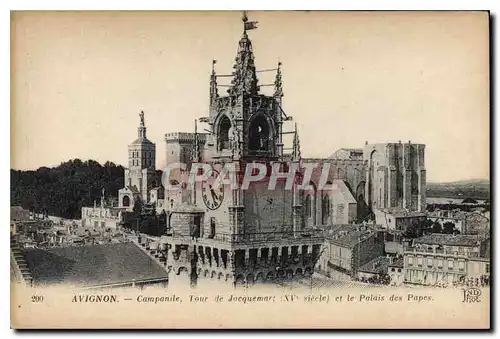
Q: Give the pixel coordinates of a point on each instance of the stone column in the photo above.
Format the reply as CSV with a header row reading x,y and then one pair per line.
x,y
247,258
297,211
218,259
307,254
230,260
237,208
210,256
280,256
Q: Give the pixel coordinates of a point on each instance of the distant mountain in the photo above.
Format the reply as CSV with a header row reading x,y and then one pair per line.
x,y
473,182
63,190
474,188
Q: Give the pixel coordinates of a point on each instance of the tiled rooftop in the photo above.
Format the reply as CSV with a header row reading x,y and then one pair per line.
x,y
347,235
399,212
397,263
92,265
377,266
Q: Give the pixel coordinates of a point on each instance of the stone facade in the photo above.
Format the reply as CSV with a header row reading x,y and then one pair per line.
x,y
347,248
238,235
445,259
101,217
17,213
348,154
399,219
395,176
396,272
140,176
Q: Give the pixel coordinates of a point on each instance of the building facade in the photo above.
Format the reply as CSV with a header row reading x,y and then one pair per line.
x,y
396,272
101,217
443,259
141,175
347,248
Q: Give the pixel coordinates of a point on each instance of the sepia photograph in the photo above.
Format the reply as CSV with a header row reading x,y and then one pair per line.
x,y
260,169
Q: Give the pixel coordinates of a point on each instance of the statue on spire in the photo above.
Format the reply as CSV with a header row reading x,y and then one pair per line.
x,y
142,127
141,115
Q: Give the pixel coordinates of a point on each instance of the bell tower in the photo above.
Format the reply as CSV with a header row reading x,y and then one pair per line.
x,y
245,124
140,174
243,233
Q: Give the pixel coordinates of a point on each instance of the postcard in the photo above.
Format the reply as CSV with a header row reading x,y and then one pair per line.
x,y
260,169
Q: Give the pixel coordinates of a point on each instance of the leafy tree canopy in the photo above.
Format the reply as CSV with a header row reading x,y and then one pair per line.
x,y
63,190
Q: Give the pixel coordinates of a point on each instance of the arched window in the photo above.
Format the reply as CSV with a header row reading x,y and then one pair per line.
x,y
224,126
314,192
260,133
307,207
325,209
126,201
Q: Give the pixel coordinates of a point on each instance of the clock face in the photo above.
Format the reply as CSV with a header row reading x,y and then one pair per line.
x,y
213,194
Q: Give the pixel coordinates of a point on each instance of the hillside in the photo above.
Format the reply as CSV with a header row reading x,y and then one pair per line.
x,y
477,189
63,190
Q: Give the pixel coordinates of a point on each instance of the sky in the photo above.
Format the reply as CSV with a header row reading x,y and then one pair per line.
x,y
80,79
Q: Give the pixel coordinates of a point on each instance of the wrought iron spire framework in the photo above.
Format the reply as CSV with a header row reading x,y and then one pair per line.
x,y
214,94
244,75
195,157
296,155
278,84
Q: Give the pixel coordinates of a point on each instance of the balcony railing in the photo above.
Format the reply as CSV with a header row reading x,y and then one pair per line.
x,y
242,238
441,251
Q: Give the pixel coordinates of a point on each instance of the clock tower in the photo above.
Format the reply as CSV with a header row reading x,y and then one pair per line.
x,y
243,234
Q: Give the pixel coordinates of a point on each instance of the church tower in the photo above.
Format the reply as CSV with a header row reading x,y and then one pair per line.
x,y
140,175
241,234
246,124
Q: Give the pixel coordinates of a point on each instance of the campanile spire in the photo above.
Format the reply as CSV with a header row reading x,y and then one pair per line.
x,y
244,75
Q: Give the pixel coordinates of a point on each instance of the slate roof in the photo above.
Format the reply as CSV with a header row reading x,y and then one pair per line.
x,y
141,141
187,208
402,213
376,266
132,189
93,265
398,263
347,235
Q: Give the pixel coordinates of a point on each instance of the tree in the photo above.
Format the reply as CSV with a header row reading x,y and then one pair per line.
x,y
137,207
63,190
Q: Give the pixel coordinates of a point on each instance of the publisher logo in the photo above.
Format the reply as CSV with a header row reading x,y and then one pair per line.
x,y
471,295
